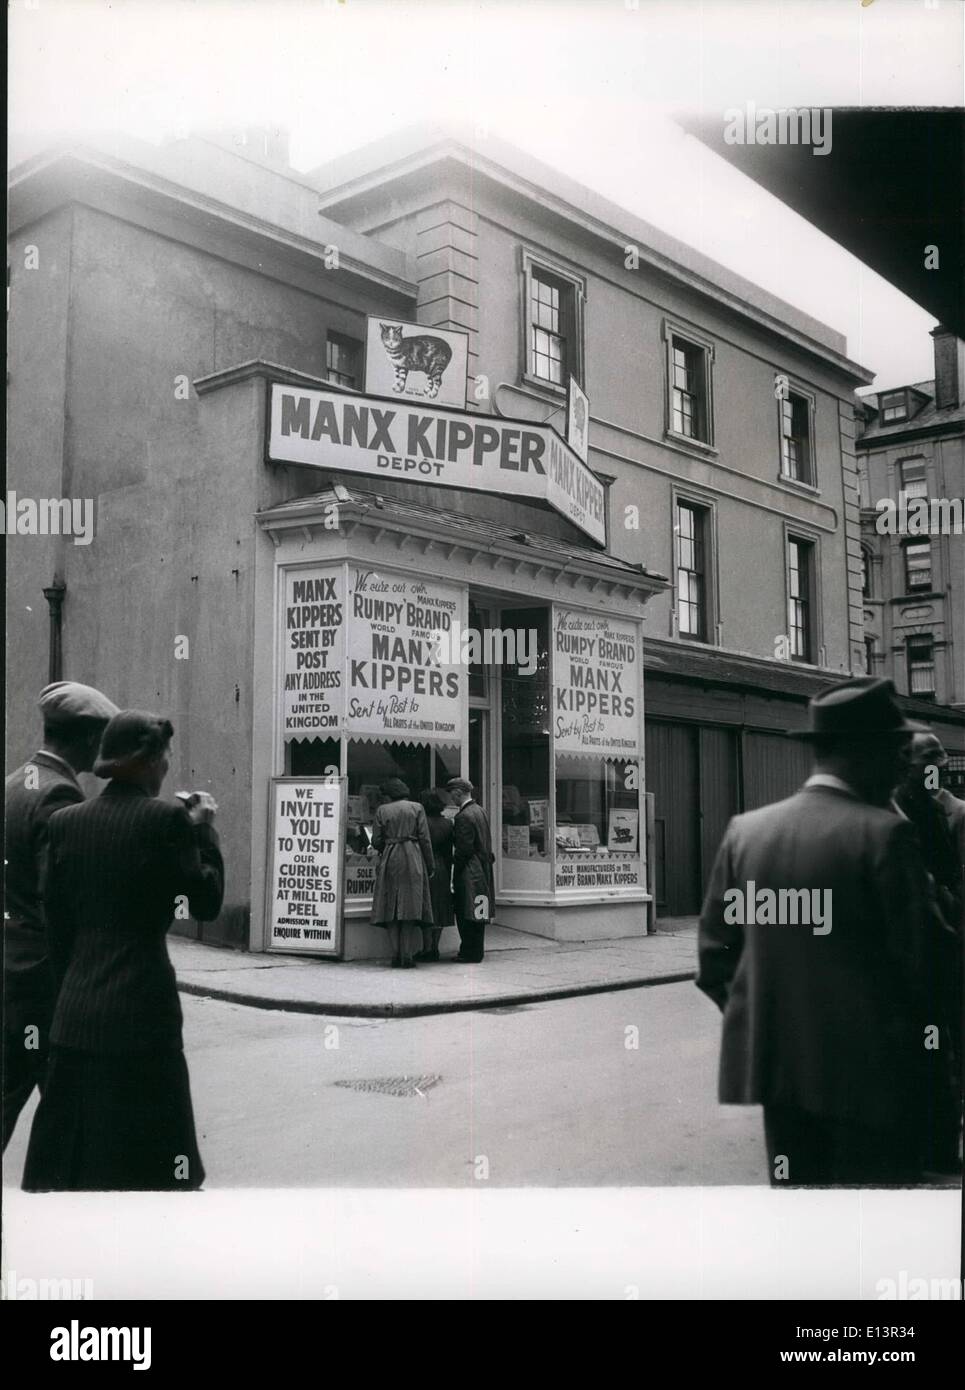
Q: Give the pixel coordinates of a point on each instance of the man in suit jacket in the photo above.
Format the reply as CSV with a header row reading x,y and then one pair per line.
x,y
116,1112
824,1020
474,896
74,718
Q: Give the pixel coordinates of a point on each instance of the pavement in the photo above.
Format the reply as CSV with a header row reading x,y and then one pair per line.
x,y
518,969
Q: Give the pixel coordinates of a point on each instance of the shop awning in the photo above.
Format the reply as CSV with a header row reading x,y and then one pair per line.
x,y
441,530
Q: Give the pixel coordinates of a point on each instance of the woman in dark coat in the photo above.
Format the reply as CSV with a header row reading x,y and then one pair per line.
x,y
401,901
116,1109
440,833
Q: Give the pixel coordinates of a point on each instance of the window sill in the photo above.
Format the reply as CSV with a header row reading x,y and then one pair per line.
x,y
798,485
545,388
691,445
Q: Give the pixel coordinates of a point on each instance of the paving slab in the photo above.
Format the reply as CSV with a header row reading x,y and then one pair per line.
x,y
518,969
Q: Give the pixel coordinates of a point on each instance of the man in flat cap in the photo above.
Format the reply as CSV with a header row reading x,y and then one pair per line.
x,y
813,942
473,892
74,718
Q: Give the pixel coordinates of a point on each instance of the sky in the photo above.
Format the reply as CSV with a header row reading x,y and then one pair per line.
x,y
590,86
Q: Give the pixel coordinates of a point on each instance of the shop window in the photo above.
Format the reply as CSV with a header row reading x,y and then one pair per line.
x,y
525,717
917,565
689,386
553,320
692,526
800,598
343,357
597,828
314,757
796,439
921,667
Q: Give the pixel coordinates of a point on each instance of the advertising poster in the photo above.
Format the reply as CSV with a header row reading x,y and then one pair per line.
x,y
578,419
402,679
622,830
596,706
305,858
482,453
314,652
416,362
599,873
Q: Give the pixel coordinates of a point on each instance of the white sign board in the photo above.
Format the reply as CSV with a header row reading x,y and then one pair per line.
x,y
578,419
483,453
415,362
399,683
313,639
596,700
305,865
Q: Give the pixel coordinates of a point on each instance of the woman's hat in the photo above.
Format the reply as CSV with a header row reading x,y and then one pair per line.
x,y
132,738
862,708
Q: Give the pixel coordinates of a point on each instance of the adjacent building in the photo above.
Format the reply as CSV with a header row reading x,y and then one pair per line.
x,y
191,328
910,452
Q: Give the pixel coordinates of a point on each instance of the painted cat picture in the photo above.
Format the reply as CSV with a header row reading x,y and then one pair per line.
x,y
419,353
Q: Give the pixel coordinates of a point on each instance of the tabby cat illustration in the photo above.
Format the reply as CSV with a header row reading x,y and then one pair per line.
x,y
419,354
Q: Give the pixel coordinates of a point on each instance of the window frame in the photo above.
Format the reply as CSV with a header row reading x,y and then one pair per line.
x,y
679,334
921,640
807,403
689,497
334,338
534,266
794,535
903,408
918,543
919,461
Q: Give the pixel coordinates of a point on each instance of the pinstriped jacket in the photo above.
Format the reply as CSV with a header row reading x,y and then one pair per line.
x,y
30,803
116,866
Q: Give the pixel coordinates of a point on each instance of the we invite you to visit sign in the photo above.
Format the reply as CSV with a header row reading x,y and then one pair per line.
x,y
360,434
305,864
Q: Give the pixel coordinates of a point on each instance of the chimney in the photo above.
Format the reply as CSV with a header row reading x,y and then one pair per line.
x,y
949,368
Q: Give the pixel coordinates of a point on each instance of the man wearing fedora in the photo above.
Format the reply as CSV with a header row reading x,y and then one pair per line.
x,y
473,893
825,1026
116,1110
74,717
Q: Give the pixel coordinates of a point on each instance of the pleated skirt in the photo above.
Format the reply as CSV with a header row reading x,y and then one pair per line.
x,y
114,1124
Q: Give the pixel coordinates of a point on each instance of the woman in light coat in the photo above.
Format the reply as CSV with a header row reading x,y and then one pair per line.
x,y
402,900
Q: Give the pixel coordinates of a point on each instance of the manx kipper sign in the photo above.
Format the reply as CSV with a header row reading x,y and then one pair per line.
x,y
364,434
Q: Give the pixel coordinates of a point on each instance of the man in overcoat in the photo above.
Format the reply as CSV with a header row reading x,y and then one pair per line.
x,y
827,1001
474,894
74,718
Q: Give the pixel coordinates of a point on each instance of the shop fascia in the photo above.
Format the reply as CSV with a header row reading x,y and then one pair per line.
x,y
382,438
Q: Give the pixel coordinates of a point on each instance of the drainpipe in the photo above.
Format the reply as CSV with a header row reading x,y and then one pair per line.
x,y
55,604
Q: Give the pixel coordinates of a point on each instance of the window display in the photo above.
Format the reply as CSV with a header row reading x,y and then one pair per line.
x,y
597,837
